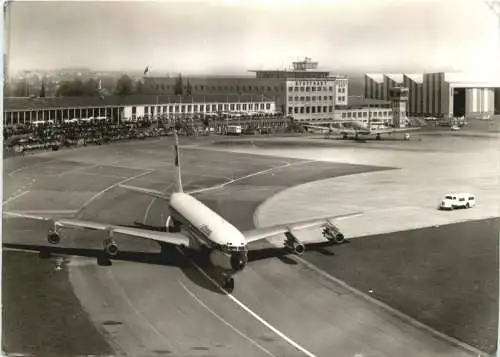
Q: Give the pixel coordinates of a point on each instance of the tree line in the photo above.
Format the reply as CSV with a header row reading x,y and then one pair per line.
x,y
73,88
90,87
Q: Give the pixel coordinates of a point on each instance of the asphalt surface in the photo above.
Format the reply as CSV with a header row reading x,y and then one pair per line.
x,y
146,306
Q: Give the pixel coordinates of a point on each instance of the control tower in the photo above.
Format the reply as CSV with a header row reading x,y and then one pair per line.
x,y
399,102
304,65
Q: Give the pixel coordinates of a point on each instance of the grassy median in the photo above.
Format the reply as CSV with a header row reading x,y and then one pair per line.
x,y
41,314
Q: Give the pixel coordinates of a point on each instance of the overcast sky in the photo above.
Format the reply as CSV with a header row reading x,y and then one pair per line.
x,y
233,36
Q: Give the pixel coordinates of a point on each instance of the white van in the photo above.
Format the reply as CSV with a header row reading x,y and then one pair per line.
x,y
458,200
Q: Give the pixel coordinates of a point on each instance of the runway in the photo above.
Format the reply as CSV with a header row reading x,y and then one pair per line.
x,y
147,307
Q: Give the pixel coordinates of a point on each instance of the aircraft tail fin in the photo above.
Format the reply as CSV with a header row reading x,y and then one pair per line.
x,y
177,164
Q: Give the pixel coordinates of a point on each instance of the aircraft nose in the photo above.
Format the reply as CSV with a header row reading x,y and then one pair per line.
x,y
238,260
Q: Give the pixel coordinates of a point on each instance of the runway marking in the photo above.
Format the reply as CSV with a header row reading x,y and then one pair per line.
x,y
220,318
248,310
222,185
29,166
76,169
12,198
42,212
397,313
98,194
153,200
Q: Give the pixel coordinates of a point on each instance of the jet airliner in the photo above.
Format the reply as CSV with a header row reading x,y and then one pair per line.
x,y
192,225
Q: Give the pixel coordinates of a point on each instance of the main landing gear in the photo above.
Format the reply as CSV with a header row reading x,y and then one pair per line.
x,y
228,283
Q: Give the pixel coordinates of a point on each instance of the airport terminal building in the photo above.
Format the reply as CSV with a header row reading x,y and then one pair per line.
x,y
438,94
304,92
21,111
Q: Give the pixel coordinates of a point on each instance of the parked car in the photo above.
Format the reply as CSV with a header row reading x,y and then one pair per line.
x,y
458,200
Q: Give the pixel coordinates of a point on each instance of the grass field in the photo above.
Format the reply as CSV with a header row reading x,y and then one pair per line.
x,y
41,314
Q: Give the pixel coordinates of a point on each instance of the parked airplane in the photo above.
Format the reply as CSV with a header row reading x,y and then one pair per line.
x,y
357,129
192,225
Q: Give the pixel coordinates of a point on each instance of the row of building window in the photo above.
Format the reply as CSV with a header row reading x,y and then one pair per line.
x,y
341,90
309,89
342,83
341,99
190,108
313,98
229,89
374,114
308,83
309,110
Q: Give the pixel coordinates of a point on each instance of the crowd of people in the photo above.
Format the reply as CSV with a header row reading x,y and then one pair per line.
x,y
34,138
30,138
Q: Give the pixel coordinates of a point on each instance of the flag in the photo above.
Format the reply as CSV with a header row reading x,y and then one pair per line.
x,y
146,70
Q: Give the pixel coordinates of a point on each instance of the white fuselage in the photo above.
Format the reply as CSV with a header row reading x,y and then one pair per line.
x,y
207,228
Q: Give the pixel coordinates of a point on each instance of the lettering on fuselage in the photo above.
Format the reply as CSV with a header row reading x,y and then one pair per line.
x,y
205,230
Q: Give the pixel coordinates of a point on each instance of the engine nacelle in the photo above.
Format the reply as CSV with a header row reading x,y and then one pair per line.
x,y
294,245
53,237
110,247
333,234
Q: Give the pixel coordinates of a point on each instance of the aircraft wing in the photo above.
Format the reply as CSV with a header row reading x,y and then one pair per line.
x,y
392,130
163,237
146,191
165,196
267,232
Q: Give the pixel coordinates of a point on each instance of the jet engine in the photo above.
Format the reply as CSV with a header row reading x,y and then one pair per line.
x,y
294,245
110,247
332,233
53,237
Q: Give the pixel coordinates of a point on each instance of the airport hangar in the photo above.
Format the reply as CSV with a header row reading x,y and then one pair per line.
x,y
439,94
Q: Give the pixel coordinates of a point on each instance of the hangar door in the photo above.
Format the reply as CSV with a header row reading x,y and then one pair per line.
x,y
458,102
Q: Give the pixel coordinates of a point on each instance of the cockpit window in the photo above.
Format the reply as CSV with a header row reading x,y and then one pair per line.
x,y
448,197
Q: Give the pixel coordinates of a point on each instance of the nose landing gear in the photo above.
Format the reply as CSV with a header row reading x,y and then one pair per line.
x,y
228,283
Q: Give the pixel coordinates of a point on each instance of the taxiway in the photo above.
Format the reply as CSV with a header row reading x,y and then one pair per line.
x,y
280,306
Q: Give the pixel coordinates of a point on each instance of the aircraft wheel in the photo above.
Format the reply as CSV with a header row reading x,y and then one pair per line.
x,y
228,284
